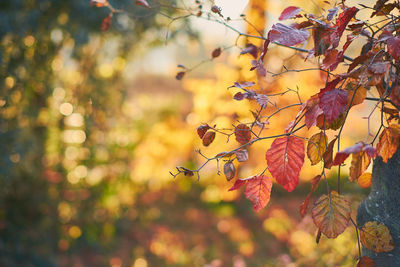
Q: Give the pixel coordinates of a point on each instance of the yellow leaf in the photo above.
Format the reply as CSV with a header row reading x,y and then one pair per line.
x,y
316,147
359,163
376,237
365,180
331,214
388,142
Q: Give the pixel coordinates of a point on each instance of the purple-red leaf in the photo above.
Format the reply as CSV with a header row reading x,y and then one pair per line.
x,y
333,103
287,35
289,12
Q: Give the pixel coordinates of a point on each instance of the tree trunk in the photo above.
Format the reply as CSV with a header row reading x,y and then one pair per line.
x,y
383,205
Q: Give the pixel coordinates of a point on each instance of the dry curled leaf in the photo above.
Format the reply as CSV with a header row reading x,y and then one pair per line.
x,y
331,214
376,237
229,170
208,138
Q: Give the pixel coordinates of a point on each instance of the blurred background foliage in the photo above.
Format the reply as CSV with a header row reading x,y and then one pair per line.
x,y
91,123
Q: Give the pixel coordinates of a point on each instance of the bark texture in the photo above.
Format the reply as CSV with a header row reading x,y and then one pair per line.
x,y
383,205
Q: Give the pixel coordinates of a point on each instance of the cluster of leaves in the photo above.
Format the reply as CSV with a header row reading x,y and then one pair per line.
x,y
376,68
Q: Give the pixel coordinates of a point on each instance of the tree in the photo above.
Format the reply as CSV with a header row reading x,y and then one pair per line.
x,y
374,70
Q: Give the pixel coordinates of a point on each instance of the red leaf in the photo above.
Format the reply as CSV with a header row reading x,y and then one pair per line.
x,y
393,45
238,184
142,3
341,156
208,138
365,261
289,12
314,185
379,67
285,159
258,191
202,129
333,103
287,35
259,66
341,23
106,22
242,134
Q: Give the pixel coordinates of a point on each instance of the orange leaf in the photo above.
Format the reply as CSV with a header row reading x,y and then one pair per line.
x,y
359,96
316,147
314,185
243,134
359,163
285,159
365,180
208,138
258,191
331,214
98,3
365,261
376,237
388,142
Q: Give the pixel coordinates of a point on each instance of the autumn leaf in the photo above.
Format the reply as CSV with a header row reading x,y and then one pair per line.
x,y
106,22
202,129
258,191
314,185
289,12
216,53
341,23
208,138
287,35
365,180
359,163
388,142
376,237
242,155
242,134
393,46
238,184
250,49
142,3
285,159
98,3
333,103
365,261
316,147
229,170
328,155
359,96
331,214
342,155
